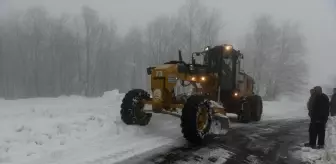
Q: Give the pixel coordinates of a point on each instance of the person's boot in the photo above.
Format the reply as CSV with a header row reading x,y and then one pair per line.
x,y
309,145
320,147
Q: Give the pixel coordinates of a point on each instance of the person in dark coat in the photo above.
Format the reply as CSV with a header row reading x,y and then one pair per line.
x,y
309,107
318,118
309,103
333,103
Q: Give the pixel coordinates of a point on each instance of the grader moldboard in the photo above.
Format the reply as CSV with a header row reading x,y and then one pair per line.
x,y
220,87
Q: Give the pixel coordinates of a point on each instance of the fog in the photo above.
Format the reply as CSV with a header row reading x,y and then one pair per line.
x,y
317,20
316,16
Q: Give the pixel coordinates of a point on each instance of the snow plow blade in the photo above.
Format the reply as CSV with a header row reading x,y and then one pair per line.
x,y
220,124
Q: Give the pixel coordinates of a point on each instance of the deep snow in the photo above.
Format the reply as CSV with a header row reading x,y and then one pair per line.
x,y
71,130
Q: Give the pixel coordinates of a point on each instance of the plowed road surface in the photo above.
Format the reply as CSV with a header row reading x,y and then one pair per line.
x,y
269,142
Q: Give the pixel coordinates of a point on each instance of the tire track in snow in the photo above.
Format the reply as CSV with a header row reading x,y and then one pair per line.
x,y
268,142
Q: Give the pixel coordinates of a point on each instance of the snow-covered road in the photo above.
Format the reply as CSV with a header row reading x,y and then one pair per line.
x,y
267,142
77,130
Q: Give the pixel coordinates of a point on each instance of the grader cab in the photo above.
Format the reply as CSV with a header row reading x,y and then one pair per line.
x,y
219,86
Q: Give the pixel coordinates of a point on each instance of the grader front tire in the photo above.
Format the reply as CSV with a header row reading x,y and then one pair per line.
x,y
194,112
132,108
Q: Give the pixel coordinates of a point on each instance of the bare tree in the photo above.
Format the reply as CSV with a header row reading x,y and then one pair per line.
x,y
210,28
275,56
12,56
193,28
191,13
203,24
134,60
44,55
37,22
262,45
92,32
159,39
290,70
2,60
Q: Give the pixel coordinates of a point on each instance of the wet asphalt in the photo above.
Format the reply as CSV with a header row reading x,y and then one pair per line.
x,y
266,142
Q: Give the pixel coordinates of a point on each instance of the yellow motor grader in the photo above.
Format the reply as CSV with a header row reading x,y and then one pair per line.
x,y
219,87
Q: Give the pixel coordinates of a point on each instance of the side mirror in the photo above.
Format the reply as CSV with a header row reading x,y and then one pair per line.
x,y
150,70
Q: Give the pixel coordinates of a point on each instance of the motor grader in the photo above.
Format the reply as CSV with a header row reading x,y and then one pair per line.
x,y
219,87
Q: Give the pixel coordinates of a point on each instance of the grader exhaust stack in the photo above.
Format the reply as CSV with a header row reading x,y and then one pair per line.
x,y
219,87
180,56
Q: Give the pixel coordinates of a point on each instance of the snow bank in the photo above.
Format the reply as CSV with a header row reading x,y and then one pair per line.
x,y
331,140
327,155
75,130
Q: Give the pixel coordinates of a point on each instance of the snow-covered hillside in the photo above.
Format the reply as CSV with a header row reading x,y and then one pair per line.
x,y
77,130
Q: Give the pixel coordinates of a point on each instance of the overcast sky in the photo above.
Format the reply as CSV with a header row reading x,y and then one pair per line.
x,y
317,17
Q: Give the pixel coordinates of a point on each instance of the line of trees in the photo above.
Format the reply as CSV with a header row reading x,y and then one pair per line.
x,y
46,56
277,57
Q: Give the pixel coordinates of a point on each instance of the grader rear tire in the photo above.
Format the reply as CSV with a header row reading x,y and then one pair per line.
x,y
196,119
257,108
132,108
245,114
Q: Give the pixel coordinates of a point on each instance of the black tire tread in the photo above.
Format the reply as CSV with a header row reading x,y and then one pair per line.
x,y
188,119
246,113
257,108
127,103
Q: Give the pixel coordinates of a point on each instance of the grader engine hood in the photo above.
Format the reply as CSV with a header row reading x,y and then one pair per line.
x,y
163,70
176,68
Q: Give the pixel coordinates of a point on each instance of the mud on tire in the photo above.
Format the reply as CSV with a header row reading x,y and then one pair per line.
x,y
189,119
132,108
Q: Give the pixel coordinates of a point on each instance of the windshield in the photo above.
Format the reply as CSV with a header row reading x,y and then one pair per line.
x,y
200,59
228,63
227,67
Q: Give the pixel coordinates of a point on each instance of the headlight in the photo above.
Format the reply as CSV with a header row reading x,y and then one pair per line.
x,y
228,47
203,78
235,94
193,78
206,48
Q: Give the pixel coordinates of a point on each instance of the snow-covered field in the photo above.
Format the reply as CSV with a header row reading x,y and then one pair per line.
x,y
78,130
326,155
